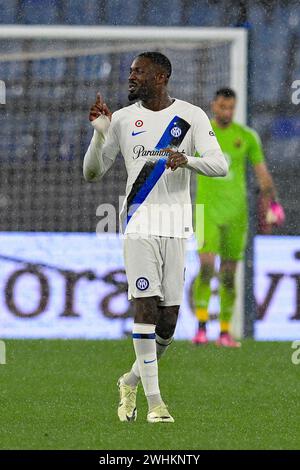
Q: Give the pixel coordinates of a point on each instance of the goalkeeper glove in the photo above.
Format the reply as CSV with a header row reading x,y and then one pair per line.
x,y
275,214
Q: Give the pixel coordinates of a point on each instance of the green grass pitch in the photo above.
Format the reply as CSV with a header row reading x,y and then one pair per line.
x,y
63,395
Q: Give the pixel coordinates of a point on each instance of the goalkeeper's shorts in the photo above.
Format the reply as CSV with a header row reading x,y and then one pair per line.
x,y
155,266
225,238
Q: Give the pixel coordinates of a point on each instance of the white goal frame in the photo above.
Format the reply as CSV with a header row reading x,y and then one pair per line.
x,y
236,37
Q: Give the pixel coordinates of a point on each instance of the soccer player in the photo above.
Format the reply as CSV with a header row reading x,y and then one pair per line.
x,y
157,136
225,213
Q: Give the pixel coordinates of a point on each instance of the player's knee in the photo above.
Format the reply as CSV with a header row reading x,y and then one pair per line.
x,y
146,310
165,331
207,272
166,325
227,278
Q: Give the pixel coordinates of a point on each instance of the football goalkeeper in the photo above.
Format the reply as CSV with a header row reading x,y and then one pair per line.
x,y
226,215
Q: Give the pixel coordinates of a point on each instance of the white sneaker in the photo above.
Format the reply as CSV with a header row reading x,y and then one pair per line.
x,y
127,407
160,414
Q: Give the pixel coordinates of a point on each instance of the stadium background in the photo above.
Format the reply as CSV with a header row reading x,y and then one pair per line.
x,y
62,394
44,131
274,63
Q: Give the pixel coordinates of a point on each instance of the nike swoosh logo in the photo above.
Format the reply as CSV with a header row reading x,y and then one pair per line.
x,y
149,362
137,133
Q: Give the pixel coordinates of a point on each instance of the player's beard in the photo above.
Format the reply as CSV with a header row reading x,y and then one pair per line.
x,y
224,122
140,93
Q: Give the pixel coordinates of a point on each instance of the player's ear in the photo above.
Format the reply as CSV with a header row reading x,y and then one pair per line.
x,y
213,106
166,78
161,78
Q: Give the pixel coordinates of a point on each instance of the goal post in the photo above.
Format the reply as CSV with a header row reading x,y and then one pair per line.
x,y
52,73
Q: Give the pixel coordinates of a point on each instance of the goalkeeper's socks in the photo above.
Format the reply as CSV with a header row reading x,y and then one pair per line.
x,y
145,350
133,377
224,327
202,325
202,314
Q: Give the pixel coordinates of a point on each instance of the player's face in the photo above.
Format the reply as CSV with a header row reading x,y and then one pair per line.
x,y
143,79
223,109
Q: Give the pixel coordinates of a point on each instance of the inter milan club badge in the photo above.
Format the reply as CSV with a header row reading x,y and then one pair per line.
x,y
238,143
142,283
176,131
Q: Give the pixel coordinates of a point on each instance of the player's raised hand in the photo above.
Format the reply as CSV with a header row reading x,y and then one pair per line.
x,y
99,108
175,159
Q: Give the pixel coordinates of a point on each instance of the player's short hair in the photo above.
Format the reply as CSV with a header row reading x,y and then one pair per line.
x,y
159,59
225,92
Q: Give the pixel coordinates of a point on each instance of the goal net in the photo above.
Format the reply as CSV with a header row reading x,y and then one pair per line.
x,y
52,75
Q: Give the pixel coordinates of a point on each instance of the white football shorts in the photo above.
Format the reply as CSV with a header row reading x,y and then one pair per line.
x,y
155,266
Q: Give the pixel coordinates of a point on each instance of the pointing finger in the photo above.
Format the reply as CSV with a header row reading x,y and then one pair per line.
x,y
99,99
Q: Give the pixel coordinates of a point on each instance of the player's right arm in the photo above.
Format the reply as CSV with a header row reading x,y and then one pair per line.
x,y
104,145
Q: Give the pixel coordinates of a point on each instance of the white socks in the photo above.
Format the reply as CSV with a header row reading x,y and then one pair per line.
x,y
145,350
133,377
161,344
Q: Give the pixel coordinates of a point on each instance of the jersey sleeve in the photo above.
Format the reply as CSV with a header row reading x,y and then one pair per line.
x,y
204,138
111,145
255,152
206,146
101,153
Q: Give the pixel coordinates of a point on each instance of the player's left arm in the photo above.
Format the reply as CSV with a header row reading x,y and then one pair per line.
x,y
205,144
264,180
270,208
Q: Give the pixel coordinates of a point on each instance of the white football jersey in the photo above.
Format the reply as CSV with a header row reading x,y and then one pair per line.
x,y
157,199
